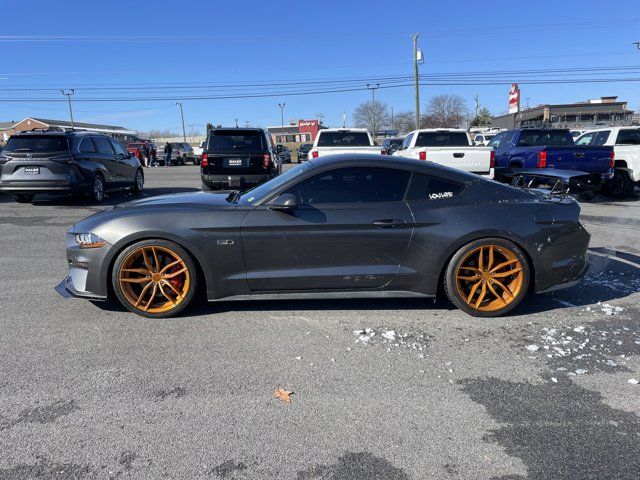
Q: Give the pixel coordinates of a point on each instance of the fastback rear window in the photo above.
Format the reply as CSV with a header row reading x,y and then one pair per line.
x,y
37,144
343,139
232,141
442,139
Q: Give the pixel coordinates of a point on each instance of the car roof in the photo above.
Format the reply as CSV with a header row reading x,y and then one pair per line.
x,y
57,133
387,161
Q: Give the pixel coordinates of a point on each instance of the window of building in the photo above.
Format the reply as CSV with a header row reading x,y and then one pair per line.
x,y
353,185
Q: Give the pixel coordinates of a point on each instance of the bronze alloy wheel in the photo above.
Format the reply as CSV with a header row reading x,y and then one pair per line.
x,y
487,278
154,278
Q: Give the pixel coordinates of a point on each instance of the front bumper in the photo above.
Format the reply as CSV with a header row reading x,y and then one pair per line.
x,y
66,289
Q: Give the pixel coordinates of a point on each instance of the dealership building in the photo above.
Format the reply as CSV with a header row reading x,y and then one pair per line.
x,y
603,111
304,131
121,134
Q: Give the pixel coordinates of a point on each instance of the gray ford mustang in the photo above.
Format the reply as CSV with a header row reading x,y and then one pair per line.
x,y
346,226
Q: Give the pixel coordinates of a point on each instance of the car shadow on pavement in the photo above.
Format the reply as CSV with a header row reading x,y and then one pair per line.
x,y
613,275
114,198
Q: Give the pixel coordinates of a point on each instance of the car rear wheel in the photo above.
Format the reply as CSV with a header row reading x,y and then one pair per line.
x,y
23,198
487,278
97,188
138,183
154,278
620,186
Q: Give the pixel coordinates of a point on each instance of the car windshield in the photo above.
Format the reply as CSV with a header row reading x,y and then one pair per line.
x,y
305,147
442,139
252,196
37,144
231,141
344,139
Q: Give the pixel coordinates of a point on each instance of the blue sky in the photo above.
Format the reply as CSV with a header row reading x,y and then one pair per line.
x,y
80,44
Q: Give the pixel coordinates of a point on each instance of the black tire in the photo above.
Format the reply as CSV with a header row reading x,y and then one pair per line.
x,y
484,281
23,198
165,309
620,186
97,188
138,182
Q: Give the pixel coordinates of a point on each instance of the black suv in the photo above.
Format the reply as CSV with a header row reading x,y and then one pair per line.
x,y
391,145
238,158
303,152
56,162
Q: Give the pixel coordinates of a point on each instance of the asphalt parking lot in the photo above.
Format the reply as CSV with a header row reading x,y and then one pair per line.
x,y
92,392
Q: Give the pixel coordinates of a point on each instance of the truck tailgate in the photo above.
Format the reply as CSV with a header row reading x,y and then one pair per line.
x,y
470,159
323,151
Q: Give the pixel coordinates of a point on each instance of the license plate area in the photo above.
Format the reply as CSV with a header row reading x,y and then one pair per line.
x,y
236,162
32,170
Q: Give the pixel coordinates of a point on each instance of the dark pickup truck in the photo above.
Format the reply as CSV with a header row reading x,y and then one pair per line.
x,y
546,150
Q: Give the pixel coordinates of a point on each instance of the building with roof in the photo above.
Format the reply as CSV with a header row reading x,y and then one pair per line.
x,y
580,115
121,134
304,131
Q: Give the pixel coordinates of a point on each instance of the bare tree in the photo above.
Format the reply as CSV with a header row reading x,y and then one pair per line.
x,y
445,111
365,114
404,122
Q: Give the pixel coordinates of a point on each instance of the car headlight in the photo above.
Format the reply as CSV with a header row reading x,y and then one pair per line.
x,y
89,240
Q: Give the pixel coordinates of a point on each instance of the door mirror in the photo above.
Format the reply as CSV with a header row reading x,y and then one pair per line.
x,y
284,202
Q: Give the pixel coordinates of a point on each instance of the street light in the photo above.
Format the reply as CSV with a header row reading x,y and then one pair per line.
x,y
68,93
184,133
281,105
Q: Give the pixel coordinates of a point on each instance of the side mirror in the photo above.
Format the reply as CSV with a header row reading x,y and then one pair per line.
x,y
284,202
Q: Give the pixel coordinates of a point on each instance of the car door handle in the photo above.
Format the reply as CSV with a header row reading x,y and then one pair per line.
x,y
458,155
579,155
389,223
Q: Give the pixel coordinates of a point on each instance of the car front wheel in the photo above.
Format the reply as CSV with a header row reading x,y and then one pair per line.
x,y
487,278
97,188
620,186
154,278
138,183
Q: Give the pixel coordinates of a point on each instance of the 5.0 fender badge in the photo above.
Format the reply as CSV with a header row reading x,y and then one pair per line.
x,y
225,242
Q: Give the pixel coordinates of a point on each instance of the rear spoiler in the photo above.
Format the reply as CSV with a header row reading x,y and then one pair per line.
x,y
558,182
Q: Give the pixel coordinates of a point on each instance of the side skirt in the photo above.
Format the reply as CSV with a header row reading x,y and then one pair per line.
x,y
322,295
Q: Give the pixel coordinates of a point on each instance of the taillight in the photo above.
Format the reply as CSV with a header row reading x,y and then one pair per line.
x,y
492,159
314,154
422,155
383,152
205,160
612,159
542,159
266,161
137,154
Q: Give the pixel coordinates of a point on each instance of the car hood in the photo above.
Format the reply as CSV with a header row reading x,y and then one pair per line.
x,y
181,203
181,199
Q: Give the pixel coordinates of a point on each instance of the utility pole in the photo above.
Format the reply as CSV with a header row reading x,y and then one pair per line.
x,y
414,37
246,123
477,100
344,119
68,94
392,123
281,105
373,89
527,106
184,133
320,117
237,122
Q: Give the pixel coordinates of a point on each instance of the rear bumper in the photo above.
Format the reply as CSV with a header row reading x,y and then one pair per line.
x,y
35,186
235,181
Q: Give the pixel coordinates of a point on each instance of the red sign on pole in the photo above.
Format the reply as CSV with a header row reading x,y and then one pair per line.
x,y
514,98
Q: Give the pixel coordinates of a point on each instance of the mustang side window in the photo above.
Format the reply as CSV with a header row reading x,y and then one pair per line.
x,y
352,185
426,187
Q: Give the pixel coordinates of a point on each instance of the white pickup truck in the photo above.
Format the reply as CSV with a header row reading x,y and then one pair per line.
x,y
626,148
450,147
332,141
